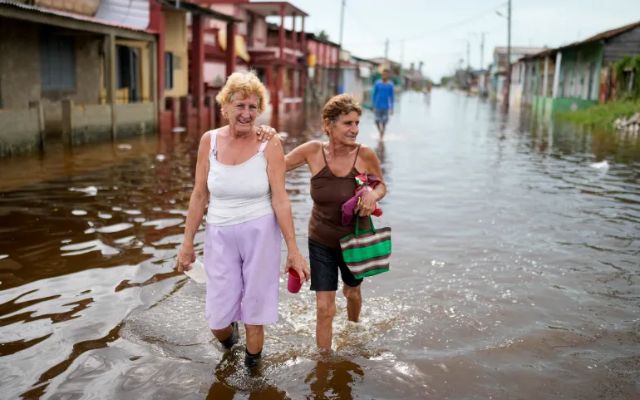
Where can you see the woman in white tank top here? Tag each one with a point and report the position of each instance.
(242, 181)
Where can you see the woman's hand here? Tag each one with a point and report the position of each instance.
(186, 257)
(367, 203)
(265, 133)
(297, 262)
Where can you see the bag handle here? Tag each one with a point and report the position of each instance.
(359, 232)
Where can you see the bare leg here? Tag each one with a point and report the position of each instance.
(255, 338)
(227, 336)
(325, 311)
(380, 128)
(354, 302)
(222, 334)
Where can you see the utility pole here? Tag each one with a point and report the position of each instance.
(468, 55)
(338, 70)
(482, 50)
(507, 81)
(386, 49)
(342, 21)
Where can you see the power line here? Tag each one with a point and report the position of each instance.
(437, 30)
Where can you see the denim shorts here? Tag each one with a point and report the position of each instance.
(381, 115)
(325, 263)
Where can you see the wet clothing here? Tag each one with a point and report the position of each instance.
(242, 249)
(324, 274)
(328, 193)
(242, 262)
(237, 193)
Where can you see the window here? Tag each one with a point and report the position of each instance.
(128, 71)
(169, 65)
(57, 63)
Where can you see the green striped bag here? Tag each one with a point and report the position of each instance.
(367, 252)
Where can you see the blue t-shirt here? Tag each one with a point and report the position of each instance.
(382, 96)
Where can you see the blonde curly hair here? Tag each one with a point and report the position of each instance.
(246, 84)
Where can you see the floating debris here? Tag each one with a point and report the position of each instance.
(631, 124)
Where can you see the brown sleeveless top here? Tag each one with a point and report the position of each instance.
(328, 193)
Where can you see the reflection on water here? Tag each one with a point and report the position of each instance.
(515, 270)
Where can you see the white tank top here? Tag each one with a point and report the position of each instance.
(237, 193)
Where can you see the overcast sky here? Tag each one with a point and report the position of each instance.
(436, 32)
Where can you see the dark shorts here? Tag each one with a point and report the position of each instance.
(325, 263)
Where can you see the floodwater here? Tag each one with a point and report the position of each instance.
(515, 272)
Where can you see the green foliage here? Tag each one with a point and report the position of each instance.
(603, 115)
(626, 69)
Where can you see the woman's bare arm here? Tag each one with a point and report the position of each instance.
(282, 207)
(300, 155)
(371, 166)
(197, 204)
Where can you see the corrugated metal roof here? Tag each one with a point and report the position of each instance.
(197, 9)
(65, 14)
(606, 35)
(270, 8)
(128, 12)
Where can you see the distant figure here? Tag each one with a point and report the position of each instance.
(382, 100)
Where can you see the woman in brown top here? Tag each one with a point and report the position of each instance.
(334, 165)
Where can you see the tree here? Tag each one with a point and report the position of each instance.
(323, 35)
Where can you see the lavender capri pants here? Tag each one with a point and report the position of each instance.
(242, 262)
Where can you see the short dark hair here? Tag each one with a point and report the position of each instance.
(341, 104)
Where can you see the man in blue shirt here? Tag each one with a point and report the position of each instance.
(382, 101)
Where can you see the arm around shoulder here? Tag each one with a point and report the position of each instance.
(300, 155)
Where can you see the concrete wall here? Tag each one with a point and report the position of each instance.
(352, 84)
(517, 84)
(87, 123)
(176, 43)
(135, 118)
(92, 123)
(19, 64)
(20, 74)
(88, 64)
(20, 131)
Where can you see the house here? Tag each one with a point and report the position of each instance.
(580, 74)
(498, 69)
(273, 52)
(362, 81)
(395, 71)
(183, 98)
(322, 62)
(413, 77)
(65, 73)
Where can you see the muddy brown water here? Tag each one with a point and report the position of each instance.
(515, 272)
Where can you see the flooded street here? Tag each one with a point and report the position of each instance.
(515, 272)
